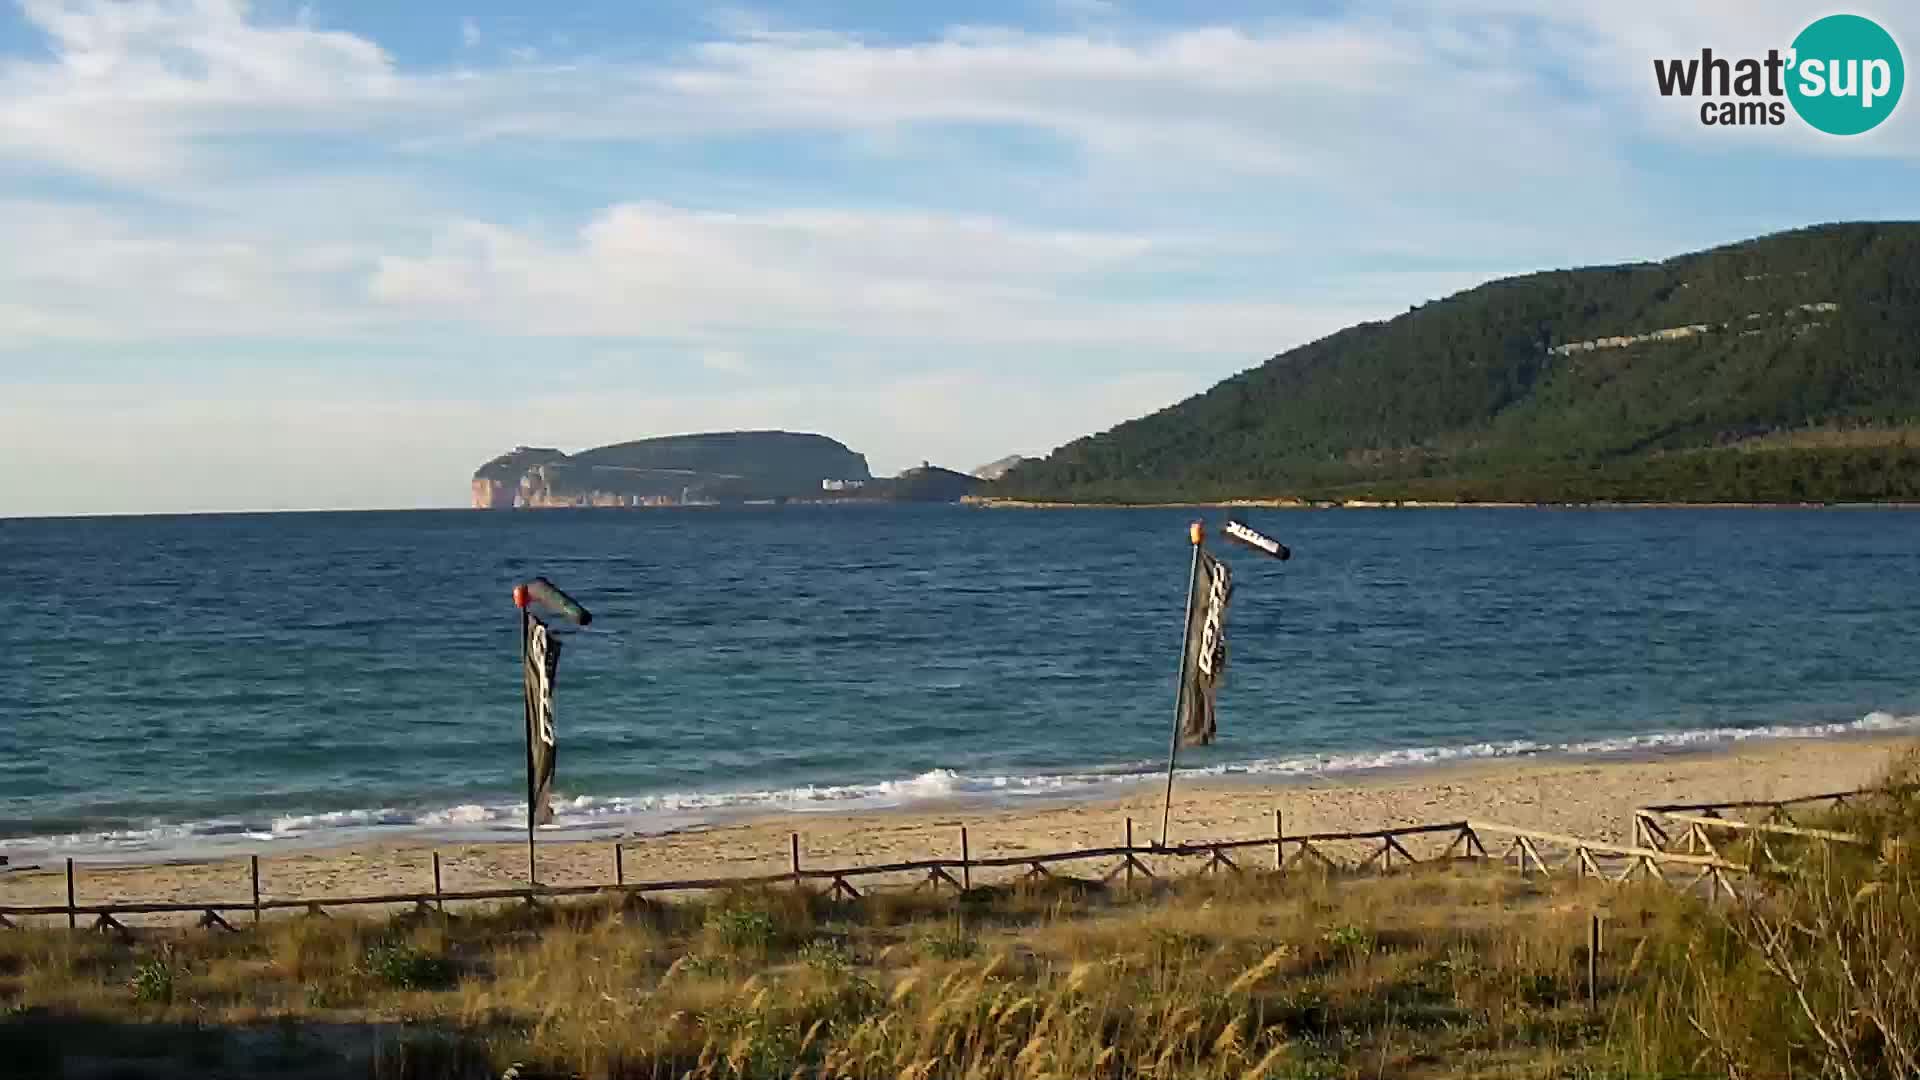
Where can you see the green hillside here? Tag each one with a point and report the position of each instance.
(1784, 368)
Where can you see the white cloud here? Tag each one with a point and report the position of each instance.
(656, 270)
(1231, 190)
(1389, 97)
(1309, 99)
(134, 89)
(81, 273)
(132, 84)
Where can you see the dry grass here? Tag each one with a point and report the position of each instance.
(1454, 970)
(1817, 975)
(1257, 976)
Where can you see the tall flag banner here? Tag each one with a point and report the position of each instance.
(542, 665)
(1206, 644)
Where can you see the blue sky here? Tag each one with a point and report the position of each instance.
(333, 254)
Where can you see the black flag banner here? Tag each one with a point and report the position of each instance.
(543, 663)
(1206, 660)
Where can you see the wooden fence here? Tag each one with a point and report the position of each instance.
(1617, 863)
(1692, 829)
(1379, 849)
(1778, 811)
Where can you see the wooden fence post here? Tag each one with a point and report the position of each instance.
(253, 866)
(439, 900)
(966, 863)
(1593, 962)
(1279, 844)
(619, 865)
(1129, 853)
(73, 918)
(794, 841)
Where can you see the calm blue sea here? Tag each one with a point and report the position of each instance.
(186, 682)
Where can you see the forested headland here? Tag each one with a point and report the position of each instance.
(1780, 369)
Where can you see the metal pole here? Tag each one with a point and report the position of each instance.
(793, 841)
(438, 900)
(1279, 844)
(1198, 537)
(526, 708)
(619, 865)
(73, 919)
(253, 862)
(1129, 853)
(966, 863)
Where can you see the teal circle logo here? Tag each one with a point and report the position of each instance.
(1846, 75)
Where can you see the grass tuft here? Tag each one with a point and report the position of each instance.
(403, 966)
(153, 980)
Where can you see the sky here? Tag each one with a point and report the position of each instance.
(265, 256)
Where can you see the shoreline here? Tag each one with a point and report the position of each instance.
(1588, 797)
(629, 817)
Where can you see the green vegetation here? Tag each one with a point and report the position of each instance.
(1788, 373)
(1435, 970)
(152, 981)
(401, 965)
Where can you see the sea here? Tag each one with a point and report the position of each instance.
(182, 686)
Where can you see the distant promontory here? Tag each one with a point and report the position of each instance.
(704, 469)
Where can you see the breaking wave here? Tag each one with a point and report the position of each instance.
(669, 811)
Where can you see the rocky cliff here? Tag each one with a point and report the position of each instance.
(733, 466)
(496, 484)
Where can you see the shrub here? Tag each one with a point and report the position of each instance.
(153, 980)
(405, 967)
(826, 956)
(1349, 940)
(752, 1042)
(741, 930)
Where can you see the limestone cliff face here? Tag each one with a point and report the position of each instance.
(497, 485)
(670, 471)
(489, 494)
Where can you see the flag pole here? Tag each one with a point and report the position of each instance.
(1196, 534)
(544, 592)
(526, 630)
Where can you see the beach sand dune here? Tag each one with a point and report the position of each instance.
(1592, 798)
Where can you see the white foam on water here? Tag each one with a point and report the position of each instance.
(668, 810)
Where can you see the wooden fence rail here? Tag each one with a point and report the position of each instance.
(1778, 808)
(1689, 827)
(1584, 858)
(1651, 830)
(1465, 842)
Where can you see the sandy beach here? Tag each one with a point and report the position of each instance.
(1586, 797)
